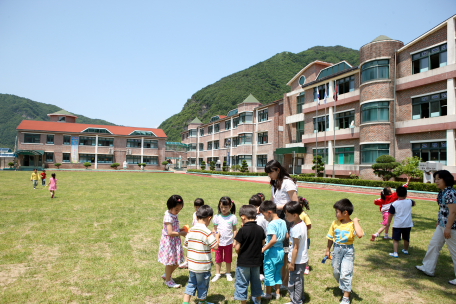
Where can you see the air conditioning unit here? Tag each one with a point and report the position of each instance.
(128, 151)
(111, 151)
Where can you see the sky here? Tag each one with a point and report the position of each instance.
(136, 62)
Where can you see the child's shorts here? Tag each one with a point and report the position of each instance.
(224, 254)
(385, 218)
(404, 231)
(198, 282)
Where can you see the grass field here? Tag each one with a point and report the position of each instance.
(97, 242)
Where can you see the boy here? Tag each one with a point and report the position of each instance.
(199, 242)
(256, 201)
(273, 251)
(342, 232)
(196, 204)
(297, 254)
(34, 178)
(402, 212)
(43, 178)
(249, 241)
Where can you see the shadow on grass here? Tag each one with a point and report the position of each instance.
(216, 298)
(337, 292)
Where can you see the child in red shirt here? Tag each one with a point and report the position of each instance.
(43, 178)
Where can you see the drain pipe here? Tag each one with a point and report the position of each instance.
(394, 101)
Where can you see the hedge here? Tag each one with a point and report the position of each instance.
(228, 173)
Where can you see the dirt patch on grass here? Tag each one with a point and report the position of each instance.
(78, 292)
(140, 243)
(44, 254)
(10, 273)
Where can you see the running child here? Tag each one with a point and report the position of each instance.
(225, 224)
(387, 197)
(255, 201)
(43, 178)
(199, 242)
(196, 204)
(342, 233)
(34, 178)
(170, 252)
(52, 185)
(305, 218)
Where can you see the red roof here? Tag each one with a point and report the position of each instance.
(54, 126)
(222, 116)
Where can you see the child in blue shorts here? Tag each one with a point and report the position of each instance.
(273, 250)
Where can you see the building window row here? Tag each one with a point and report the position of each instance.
(262, 160)
(433, 151)
(429, 106)
(344, 120)
(246, 117)
(429, 59)
(375, 111)
(299, 131)
(300, 102)
(321, 124)
(345, 156)
(263, 138)
(345, 85)
(50, 139)
(377, 69)
(263, 115)
(32, 138)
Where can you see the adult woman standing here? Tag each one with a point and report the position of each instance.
(445, 231)
(284, 190)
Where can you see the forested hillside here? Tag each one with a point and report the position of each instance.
(266, 81)
(14, 109)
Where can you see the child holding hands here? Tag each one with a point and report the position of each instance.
(342, 233)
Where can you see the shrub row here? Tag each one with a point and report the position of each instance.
(229, 173)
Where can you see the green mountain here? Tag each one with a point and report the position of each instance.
(266, 80)
(14, 109)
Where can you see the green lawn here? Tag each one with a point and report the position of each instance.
(97, 242)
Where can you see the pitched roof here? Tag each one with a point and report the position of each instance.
(381, 38)
(62, 112)
(195, 121)
(250, 99)
(306, 67)
(54, 126)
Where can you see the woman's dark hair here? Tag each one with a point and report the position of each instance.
(344, 205)
(293, 207)
(255, 200)
(268, 206)
(226, 201)
(53, 175)
(261, 195)
(304, 203)
(272, 166)
(204, 212)
(447, 177)
(249, 211)
(385, 192)
(198, 202)
(174, 200)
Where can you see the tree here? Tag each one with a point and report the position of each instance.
(203, 165)
(142, 164)
(165, 163)
(384, 167)
(409, 167)
(10, 164)
(115, 165)
(57, 165)
(225, 167)
(245, 167)
(212, 165)
(87, 165)
(318, 163)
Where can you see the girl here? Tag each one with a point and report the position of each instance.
(52, 185)
(305, 218)
(225, 224)
(387, 197)
(170, 251)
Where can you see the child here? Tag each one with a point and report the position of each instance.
(43, 178)
(170, 251)
(34, 178)
(52, 185)
(199, 242)
(273, 251)
(249, 241)
(261, 195)
(297, 255)
(402, 212)
(387, 198)
(196, 204)
(305, 218)
(255, 200)
(342, 232)
(225, 224)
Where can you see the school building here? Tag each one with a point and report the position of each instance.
(399, 100)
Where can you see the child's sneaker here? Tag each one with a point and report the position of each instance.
(215, 278)
(164, 278)
(386, 237)
(229, 278)
(404, 251)
(172, 284)
(307, 270)
(266, 296)
(345, 301)
(277, 295)
(452, 282)
(394, 255)
(255, 301)
(373, 237)
(184, 265)
(261, 277)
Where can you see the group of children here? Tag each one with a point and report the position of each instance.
(259, 244)
(52, 181)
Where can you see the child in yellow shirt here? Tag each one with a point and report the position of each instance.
(305, 218)
(34, 178)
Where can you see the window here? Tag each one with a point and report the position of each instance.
(65, 157)
(150, 160)
(209, 145)
(83, 158)
(246, 117)
(235, 122)
(262, 138)
(429, 106)
(262, 160)
(50, 139)
(62, 118)
(377, 69)
(300, 102)
(133, 143)
(86, 141)
(192, 133)
(151, 144)
(431, 151)
(433, 58)
(263, 115)
(321, 152)
(235, 141)
(201, 147)
(369, 153)
(320, 90)
(200, 161)
(192, 161)
(202, 132)
(375, 111)
(320, 122)
(133, 159)
(192, 147)
(232, 112)
(245, 139)
(209, 130)
(209, 159)
(227, 124)
(302, 80)
(49, 157)
(345, 156)
(227, 142)
(216, 144)
(299, 131)
(344, 120)
(104, 159)
(95, 130)
(247, 158)
(183, 137)
(345, 85)
(214, 118)
(216, 128)
(31, 138)
(143, 133)
(105, 142)
(66, 139)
